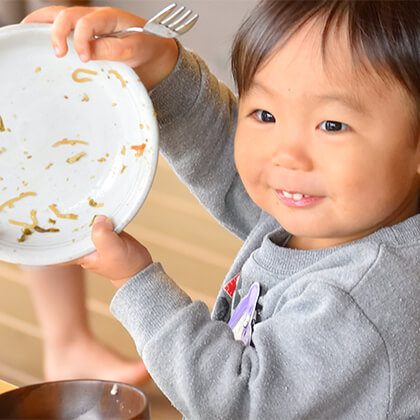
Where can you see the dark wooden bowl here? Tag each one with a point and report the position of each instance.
(75, 399)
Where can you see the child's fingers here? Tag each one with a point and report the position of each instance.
(100, 21)
(78, 261)
(65, 21)
(86, 22)
(115, 50)
(90, 261)
(106, 241)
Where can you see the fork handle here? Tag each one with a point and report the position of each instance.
(121, 34)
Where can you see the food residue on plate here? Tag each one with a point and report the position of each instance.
(27, 225)
(37, 69)
(9, 203)
(42, 230)
(25, 233)
(139, 149)
(49, 165)
(53, 207)
(2, 150)
(75, 158)
(2, 127)
(85, 97)
(78, 79)
(123, 169)
(93, 203)
(123, 150)
(119, 77)
(28, 229)
(67, 141)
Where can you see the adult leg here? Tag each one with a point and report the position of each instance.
(70, 349)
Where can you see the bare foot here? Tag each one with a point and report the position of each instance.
(86, 358)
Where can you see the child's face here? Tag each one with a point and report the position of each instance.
(327, 150)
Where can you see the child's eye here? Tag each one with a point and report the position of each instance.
(264, 116)
(333, 126)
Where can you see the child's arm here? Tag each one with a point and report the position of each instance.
(196, 113)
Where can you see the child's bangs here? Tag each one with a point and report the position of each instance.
(383, 37)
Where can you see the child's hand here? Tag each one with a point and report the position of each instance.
(117, 256)
(153, 58)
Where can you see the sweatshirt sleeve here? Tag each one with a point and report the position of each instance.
(197, 117)
(317, 357)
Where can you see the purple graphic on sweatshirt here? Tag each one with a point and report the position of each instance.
(242, 319)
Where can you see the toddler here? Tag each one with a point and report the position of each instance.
(316, 167)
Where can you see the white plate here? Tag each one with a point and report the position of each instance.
(41, 104)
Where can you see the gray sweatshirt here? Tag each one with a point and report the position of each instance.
(337, 331)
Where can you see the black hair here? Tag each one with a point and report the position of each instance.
(382, 33)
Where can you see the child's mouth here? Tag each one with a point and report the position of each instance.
(297, 199)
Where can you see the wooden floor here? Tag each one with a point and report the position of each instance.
(194, 249)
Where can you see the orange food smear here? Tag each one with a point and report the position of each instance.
(139, 149)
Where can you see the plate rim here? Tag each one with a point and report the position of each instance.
(27, 257)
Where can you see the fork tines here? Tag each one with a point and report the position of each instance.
(173, 19)
(185, 26)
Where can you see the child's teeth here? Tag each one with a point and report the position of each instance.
(295, 196)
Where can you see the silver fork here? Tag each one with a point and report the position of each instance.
(168, 23)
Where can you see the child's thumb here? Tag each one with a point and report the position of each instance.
(103, 235)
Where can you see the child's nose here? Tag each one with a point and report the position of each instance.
(291, 153)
